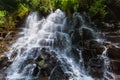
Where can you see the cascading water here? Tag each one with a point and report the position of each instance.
(107, 74)
(38, 34)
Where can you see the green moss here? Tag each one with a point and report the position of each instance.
(42, 64)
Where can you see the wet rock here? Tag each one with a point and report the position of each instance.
(97, 47)
(36, 71)
(77, 20)
(42, 55)
(115, 66)
(95, 68)
(46, 62)
(2, 75)
(45, 71)
(76, 53)
(87, 54)
(90, 58)
(113, 39)
(113, 52)
(92, 49)
(86, 33)
(109, 76)
(68, 75)
(3, 61)
(75, 36)
(2, 57)
(58, 74)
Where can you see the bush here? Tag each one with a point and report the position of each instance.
(2, 17)
(98, 7)
(22, 10)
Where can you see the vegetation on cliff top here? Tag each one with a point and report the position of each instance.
(14, 11)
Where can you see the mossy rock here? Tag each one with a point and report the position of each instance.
(42, 64)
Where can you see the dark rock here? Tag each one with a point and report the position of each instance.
(87, 55)
(2, 75)
(36, 71)
(86, 33)
(76, 53)
(46, 61)
(109, 76)
(45, 71)
(3, 61)
(97, 47)
(95, 68)
(115, 66)
(75, 36)
(113, 39)
(113, 52)
(77, 20)
(58, 74)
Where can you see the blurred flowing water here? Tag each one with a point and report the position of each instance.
(44, 33)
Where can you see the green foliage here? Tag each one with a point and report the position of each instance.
(22, 10)
(33, 4)
(39, 5)
(2, 22)
(2, 17)
(10, 23)
(9, 5)
(44, 6)
(114, 2)
(2, 13)
(66, 4)
(118, 3)
(98, 7)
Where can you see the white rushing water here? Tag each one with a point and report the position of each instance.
(39, 34)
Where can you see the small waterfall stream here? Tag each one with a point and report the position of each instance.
(45, 33)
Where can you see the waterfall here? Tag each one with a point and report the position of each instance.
(38, 34)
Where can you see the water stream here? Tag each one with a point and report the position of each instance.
(44, 33)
